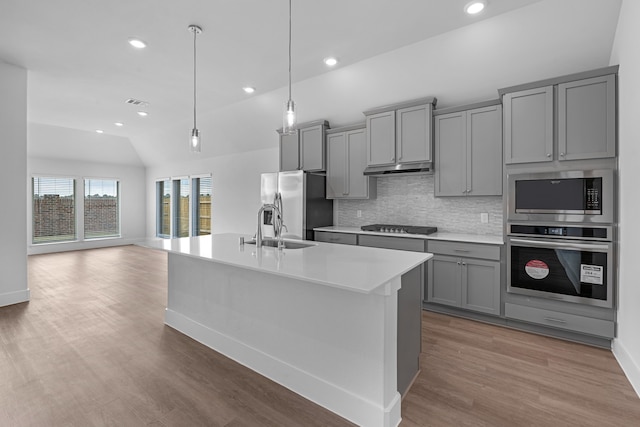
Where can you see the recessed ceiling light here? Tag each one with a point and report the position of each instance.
(99, 131)
(249, 89)
(137, 43)
(143, 113)
(119, 124)
(330, 62)
(475, 7)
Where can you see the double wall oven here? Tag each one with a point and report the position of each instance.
(560, 236)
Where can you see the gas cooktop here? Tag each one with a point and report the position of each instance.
(399, 229)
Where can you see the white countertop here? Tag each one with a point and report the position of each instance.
(454, 237)
(354, 268)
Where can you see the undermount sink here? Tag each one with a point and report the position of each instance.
(288, 244)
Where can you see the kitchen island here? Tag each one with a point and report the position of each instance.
(320, 320)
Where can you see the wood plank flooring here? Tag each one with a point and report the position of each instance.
(91, 349)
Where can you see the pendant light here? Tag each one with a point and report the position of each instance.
(289, 118)
(194, 141)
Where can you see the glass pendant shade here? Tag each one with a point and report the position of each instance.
(289, 118)
(194, 141)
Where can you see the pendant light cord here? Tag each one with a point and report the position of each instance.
(289, 50)
(195, 33)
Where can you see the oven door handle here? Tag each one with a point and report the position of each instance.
(565, 245)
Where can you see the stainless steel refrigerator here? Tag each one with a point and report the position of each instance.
(304, 203)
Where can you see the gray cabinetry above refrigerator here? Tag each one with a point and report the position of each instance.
(304, 150)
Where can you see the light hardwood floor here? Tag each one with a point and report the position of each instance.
(91, 349)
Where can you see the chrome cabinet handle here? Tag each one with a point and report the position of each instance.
(548, 155)
(551, 319)
(458, 262)
(461, 250)
(562, 154)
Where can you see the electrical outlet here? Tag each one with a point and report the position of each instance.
(359, 213)
(484, 218)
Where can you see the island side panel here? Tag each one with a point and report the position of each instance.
(332, 346)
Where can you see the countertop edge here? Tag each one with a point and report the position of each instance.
(489, 239)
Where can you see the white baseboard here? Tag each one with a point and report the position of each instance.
(336, 399)
(627, 363)
(47, 248)
(17, 297)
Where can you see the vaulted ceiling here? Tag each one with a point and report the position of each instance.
(81, 68)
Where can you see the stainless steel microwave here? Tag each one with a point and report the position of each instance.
(585, 196)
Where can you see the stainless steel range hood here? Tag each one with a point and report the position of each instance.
(421, 168)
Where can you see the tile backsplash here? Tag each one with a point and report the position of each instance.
(409, 200)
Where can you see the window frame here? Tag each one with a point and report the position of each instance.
(119, 210)
(76, 224)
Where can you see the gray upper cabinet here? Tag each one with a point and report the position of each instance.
(381, 138)
(468, 151)
(289, 152)
(346, 160)
(567, 118)
(400, 133)
(304, 150)
(528, 126)
(413, 134)
(586, 119)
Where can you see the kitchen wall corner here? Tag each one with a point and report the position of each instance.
(409, 200)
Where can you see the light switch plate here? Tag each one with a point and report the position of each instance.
(484, 218)
(359, 213)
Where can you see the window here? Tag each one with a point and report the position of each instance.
(163, 208)
(101, 208)
(181, 207)
(54, 211)
(202, 206)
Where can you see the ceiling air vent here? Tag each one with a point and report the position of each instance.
(136, 102)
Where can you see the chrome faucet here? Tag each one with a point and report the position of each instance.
(277, 221)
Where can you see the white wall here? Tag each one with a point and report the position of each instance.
(13, 162)
(132, 199)
(235, 182)
(625, 52)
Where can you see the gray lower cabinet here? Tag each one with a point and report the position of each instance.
(341, 238)
(304, 150)
(468, 150)
(346, 160)
(560, 320)
(581, 109)
(465, 275)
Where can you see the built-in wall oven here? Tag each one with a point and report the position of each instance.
(560, 241)
(573, 263)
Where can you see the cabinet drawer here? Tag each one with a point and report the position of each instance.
(555, 319)
(400, 243)
(462, 249)
(342, 238)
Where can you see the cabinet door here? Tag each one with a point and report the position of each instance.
(450, 141)
(444, 280)
(358, 184)
(336, 166)
(586, 119)
(481, 285)
(381, 136)
(312, 149)
(289, 153)
(413, 134)
(484, 151)
(528, 126)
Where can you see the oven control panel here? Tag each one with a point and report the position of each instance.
(569, 232)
